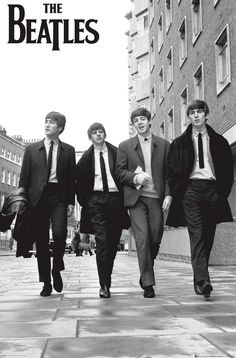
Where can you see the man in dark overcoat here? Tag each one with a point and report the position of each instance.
(100, 195)
(48, 176)
(200, 177)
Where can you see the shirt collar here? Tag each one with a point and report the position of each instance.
(195, 133)
(144, 139)
(48, 141)
(98, 150)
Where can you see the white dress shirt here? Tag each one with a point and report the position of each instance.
(208, 171)
(47, 144)
(98, 185)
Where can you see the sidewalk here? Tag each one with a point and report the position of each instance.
(77, 323)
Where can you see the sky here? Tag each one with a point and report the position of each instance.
(86, 82)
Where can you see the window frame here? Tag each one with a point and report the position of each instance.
(195, 85)
(198, 16)
(161, 87)
(222, 83)
(183, 47)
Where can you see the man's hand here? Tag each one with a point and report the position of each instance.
(166, 203)
(70, 209)
(142, 178)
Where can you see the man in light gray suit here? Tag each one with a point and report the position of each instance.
(141, 163)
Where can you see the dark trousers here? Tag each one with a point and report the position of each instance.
(105, 212)
(147, 225)
(50, 209)
(200, 204)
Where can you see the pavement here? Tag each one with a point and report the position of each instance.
(77, 323)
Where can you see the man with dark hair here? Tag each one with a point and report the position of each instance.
(141, 163)
(200, 176)
(99, 194)
(48, 176)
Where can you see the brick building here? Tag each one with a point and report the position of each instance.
(192, 54)
(11, 155)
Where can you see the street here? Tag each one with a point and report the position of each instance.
(77, 323)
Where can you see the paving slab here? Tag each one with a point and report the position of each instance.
(174, 346)
(24, 348)
(146, 326)
(226, 342)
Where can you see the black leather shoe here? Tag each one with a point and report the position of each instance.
(149, 292)
(47, 290)
(205, 288)
(104, 292)
(57, 280)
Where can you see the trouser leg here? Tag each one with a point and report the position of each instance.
(200, 203)
(147, 225)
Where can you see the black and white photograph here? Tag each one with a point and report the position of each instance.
(118, 179)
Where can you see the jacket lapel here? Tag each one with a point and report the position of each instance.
(138, 149)
(42, 155)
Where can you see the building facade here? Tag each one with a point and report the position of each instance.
(11, 155)
(138, 56)
(192, 48)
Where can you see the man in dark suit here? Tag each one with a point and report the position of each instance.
(200, 176)
(48, 176)
(99, 194)
(141, 163)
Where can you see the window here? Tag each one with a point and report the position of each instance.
(19, 159)
(3, 178)
(2, 200)
(14, 179)
(170, 68)
(8, 177)
(182, 43)
(13, 156)
(168, 14)
(161, 85)
(18, 179)
(153, 101)
(222, 51)
(162, 129)
(199, 83)
(151, 11)
(152, 54)
(160, 33)
(143, 67)
(142, 24)
(8, 155)
(183, 108)
(215, 2)
(196, 19)
(3, 151)
(145, 22)
(170, 125)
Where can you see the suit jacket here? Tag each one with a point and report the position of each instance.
(129, 156)
(180, 164)
(85, 172)
(33, 177)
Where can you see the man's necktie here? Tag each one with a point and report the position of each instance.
(104, 174)
(50, 160)
(200, 151)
